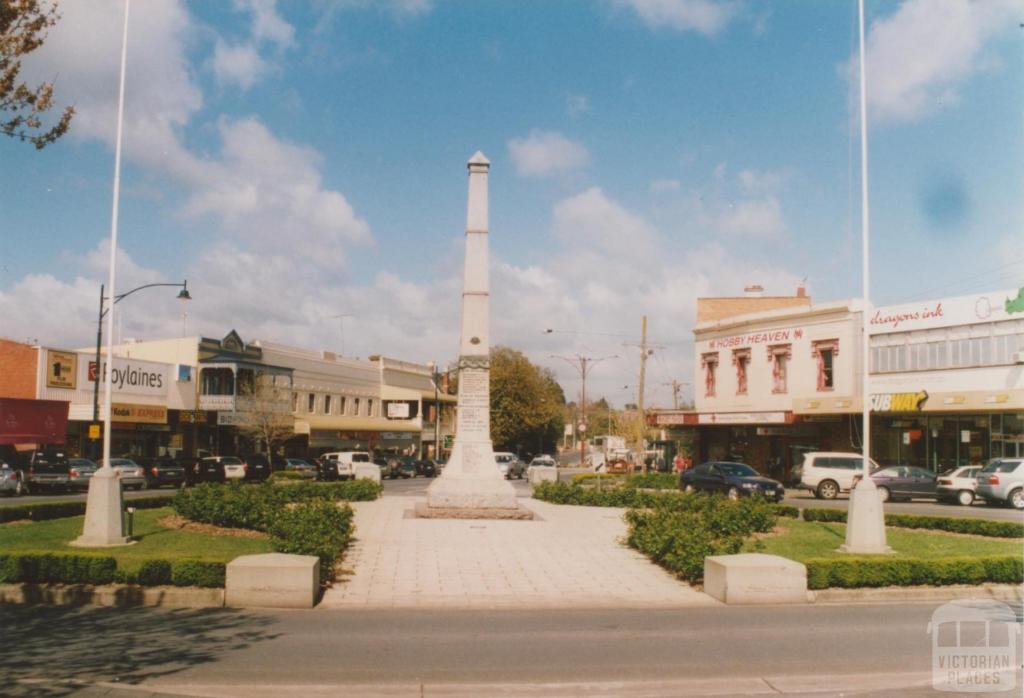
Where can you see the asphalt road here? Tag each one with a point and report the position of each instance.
(817, 650)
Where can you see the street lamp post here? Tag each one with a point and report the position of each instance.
(580, 363)
(435, 376)
(183, 295)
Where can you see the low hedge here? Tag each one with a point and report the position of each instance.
(977, 527)
(302, 518)
(44, 511)
(653, 481)
(101, 569)
(288, 475)
(854, 572)
(679, 532)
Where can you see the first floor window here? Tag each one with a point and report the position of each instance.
(710, 363)
(741, 360)
(327, 404)
(779, 356)
(312, 403)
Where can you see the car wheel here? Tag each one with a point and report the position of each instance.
(20, 488)
(965, 497)
(1017, 498)
(733, 493)
(827, 489)
(884, 494)
(144, 485)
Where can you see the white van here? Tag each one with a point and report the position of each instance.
(827, 473)
(345, 461)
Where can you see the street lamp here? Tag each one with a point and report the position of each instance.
(580, 363)
(435, 376)
(183, 295)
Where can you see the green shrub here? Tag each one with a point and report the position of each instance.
(316, 528)
(287, 475)
(45, 511)
(198, 573)
(153, 573)
(977, 527)
(51, 568)
(787, 511)
(855, 572)
(653, 481)
(604, 478)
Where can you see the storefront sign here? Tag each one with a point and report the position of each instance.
(130, 376)
(945, 312)
(61, 369)
(898, 402)
(746, 340)
(744, 418)
(145, 414)
(395, 436)
(669, 419)
(190, 417)
(228, 419)
(398, 410)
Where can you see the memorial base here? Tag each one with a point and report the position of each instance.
(104, 527)
(471, 482)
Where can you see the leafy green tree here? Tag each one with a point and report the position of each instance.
(527, 404)
(23, 25)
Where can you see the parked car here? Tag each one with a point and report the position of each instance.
(131, 473)
(509, 465)
(406, 466)
(904, 482)
(161, 471)
(958, 485)
(1002, 481)
(426, 468)
(386, 465)
(734, 480)
(43, 469)
(260, 461)
(10, 480)
(827, 473)
(345, 462)
(543, 461)
(80, 472)
(234, 468)
(208, 469)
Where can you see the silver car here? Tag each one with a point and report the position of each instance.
(131, 473)
(80, 472)
(10, 481)
(1002, 480)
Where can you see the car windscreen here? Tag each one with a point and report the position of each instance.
(737, 469)
(231, 461)
(360, 458)
(1001, 466)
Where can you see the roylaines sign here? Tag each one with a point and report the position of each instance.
(130, 376)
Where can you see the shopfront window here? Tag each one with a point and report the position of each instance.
(1008, 435)
(825, 352)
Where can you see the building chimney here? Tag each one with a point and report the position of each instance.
(801, 291)
(754, 291)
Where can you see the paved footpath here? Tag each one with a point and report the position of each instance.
(569, 557)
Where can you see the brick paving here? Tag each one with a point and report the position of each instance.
(570, 557)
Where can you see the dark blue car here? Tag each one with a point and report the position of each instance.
(734, 480)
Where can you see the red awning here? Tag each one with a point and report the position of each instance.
(33, 421)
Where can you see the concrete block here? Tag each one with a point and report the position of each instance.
(542, 474)
(755, 578)
(273, 580)
(367, 471)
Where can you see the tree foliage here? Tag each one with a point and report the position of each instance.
(527, 404)
(264, 412)
(23, 26)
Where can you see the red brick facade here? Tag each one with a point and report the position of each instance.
(17, 369)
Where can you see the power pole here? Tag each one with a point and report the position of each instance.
(676, 387)
(580, 363)
(640, 397)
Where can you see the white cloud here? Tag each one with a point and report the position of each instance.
(919, 57)
(755, 218)
(704, 16)
(659, 186)
(577, 105)
(546, 153)
(267, 24)
(755, 181)
(240, 64)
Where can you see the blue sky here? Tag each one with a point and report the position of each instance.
(298, 161)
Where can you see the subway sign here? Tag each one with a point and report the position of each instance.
(899, 402)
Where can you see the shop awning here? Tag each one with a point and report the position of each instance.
(33, 421)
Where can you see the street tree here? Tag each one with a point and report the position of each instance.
(23, 27)
(527, 404)
(263, 413)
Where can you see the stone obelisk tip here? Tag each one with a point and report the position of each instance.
(479, 159)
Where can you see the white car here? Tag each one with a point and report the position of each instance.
(827, 473)
(131, 473)
(958, 485)
(509, 465)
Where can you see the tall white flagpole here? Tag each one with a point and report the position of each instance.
(113, 246)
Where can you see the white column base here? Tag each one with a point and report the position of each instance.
(471, 480)
(104, 525)
(865, 522)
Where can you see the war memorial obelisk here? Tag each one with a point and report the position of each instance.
(470, 486)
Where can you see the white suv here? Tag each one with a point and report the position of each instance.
(346, 460)
(827, 473)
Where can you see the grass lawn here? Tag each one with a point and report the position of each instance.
(154, 541)
(805, 540)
